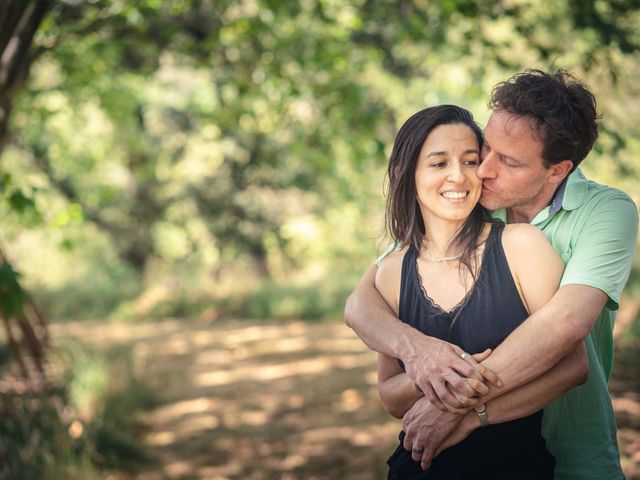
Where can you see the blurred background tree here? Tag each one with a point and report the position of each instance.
(174, 151)
(199, 142)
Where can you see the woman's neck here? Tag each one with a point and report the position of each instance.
(439, 234)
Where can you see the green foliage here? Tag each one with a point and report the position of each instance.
(12, 296)
(321, 299)
(107, 393)
(96, 295)
(220, 133)
(103, 396)
(35, 443)
(20, 204)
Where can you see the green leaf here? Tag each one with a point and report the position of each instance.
(12, 296)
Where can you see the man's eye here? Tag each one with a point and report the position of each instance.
(508, 161)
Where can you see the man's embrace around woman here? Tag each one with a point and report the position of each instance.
(452, 282)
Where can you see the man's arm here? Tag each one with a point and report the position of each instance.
(594, 276)
(398, 392)
(430, 363)
(425, 427)
(373, 320)
(558, 329)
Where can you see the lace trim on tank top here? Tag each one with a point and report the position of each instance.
(473, 288)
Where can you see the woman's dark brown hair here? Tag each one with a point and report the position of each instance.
(403, 217)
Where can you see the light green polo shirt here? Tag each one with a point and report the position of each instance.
(594, 229)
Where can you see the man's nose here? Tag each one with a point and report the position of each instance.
(487, 168)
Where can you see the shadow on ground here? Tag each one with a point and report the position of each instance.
(245, 400)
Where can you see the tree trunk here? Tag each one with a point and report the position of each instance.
(19, 21)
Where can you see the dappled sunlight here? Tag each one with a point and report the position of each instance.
(264, 332)
(280, 400)
(350, 400)
(178, 409)
(114, 333)
(272, 372)
(361, 436)
(161, 438)
(243, 401)
(627, 407)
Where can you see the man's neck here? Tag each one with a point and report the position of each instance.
(517, 215)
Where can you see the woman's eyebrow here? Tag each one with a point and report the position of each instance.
(439, 154)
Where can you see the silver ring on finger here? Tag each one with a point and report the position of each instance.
(463, 355)
(418, 451)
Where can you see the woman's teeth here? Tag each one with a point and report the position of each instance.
(454, 195)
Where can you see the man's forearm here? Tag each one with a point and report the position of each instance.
(547, 336)
(435, 365)
(571, 371)
(374, 322)
(529, 398)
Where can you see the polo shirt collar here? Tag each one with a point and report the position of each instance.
(575, 191)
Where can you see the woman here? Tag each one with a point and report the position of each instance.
(460, 277)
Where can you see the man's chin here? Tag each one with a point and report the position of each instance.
(488, 204)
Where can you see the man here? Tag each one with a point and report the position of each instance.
(542, 126)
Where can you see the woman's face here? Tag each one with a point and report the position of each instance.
(446, 180)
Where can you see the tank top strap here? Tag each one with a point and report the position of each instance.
(407, 281)
(494, 240)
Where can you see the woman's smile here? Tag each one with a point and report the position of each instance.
(455, 195)
(447, 186)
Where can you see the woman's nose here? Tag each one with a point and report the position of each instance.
(456, 173)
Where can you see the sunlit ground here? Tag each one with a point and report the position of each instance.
(241, 400)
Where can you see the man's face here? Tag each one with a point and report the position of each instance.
(512, 168)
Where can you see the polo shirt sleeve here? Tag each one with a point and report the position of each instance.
(603, 252)
(387, 251)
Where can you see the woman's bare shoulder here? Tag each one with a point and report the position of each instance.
(393, 259)
(390, 268)
(388, 277)
(523, 235)
(525, 244)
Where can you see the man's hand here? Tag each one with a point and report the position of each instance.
(426, 428)
(446, 374)
(450, 378)
(469, 423)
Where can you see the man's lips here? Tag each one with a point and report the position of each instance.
(486, 190)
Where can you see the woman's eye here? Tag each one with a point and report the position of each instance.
(472, 162)
(439, 164)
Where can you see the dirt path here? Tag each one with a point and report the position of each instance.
(241, 400)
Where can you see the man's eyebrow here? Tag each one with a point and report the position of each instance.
(517, 160)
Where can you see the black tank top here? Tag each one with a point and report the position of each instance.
(489, 313)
